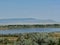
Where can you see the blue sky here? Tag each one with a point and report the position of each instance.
(40, 9)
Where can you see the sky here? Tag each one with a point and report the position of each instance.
(40, 9)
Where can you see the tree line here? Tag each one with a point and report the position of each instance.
(29, 26)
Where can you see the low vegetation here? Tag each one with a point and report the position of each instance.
(35, 38)
(3, 27)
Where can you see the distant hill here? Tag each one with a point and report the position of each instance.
(24, 20)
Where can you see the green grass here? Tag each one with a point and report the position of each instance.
(7, 44)
(37, 38)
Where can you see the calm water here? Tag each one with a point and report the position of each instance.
(29, 30)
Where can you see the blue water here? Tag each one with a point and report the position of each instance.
(29, 30)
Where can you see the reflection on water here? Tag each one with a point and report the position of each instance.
(29, 30)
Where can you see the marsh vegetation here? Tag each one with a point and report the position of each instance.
(3, 27)
(35, 38)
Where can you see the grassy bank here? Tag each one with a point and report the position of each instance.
(35, 38)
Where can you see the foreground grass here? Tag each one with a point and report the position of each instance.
(35, 38)
(6, 44)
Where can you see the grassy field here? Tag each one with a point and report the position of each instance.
(7, 44)
(27, 38)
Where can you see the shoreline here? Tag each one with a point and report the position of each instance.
(6, 27)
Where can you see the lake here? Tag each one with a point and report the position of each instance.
(12, 31)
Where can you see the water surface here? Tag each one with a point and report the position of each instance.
(29, 30)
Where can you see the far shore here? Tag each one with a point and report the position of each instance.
(6, 27)
(29, 23)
